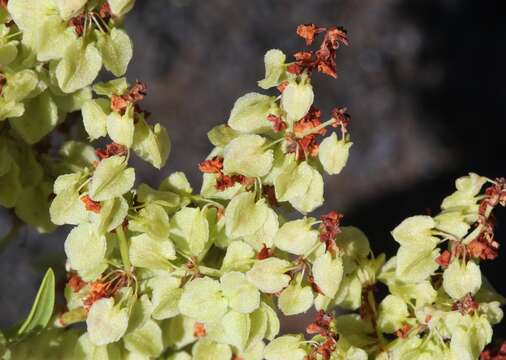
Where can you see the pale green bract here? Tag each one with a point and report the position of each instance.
(246, 155)
(296, 99)
(460, 279)
(250, 112)
(111, 178)
(274, 68)
(334, 153)
(106, 322)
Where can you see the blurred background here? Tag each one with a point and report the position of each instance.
(424, 81)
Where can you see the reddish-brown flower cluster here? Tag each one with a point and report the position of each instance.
(223, 182)
(302, 145)
(75, 282)
(105, 288)
(495, 352)
(341, 118)
(278, 124)
(330, 228)
(3, 3)
(90, 205)
(322, 327)
(444, 259)
(466, 305)
(314, 285)
(111, 149)
(132, 96)
(78, 23)
(105, 12)
(324, 59)
(199, 330)
(264, 253)
(403, 331)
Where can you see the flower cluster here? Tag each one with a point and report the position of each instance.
(173, 273)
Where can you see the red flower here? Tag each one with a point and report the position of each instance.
(212, 166)
(111, 149)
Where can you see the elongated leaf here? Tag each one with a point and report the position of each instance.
(42, 308)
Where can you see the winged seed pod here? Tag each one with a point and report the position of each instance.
(165, 272)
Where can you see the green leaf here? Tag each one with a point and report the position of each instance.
(293, 181)
(393, 312)
(328, 273)
(249, 114)
(121, 128)
(460, 279)
(221, 135)
(203, 300)
(236, 223)
(268, 275)
(8, 52)
(264, 235)
(151, 253)
(295, 299)
(296, 237)
(38, 120)
(190, 231)
(112, 87)
(165, 296)
(313, 197)
(333, 154)
(95, 113)
(116, 50)
(152, 220)
(151, 144)
(42, 308)
(70, 8)
(145, 341)
(416, 231)
(236, 328)
(111, 215)
(121, 7)
(242, 296)
(415, 264)
(205, 349)
(246, 155)
(111, 178)
(79, 67)
(85, 250)
(106, 322)
(274, 69)
(20, 85)
(296, 99)
(67, 208)
(285, 347)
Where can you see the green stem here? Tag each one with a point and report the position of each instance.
(123, 248)
(315, 129)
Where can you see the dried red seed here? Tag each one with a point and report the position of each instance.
(277, 123)
(444, 259)
(212, 166)
(199, 330)
(76, 283)
(91, 205)
(403, 331)
(264, 253)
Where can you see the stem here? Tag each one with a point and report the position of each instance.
(123, 248)
(315, 129)
(372, 304)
